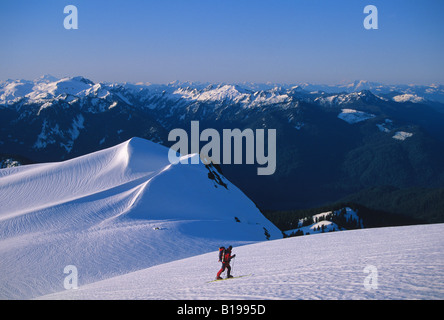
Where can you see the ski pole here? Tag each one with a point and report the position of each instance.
(232, 267)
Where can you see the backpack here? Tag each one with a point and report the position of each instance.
(221, 254)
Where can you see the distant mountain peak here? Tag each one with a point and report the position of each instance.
(48, 78)
(81, 79)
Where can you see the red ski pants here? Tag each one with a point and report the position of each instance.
(224, 266)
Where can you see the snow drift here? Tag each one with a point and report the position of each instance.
(112, 212)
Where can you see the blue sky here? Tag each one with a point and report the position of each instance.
(291, 41)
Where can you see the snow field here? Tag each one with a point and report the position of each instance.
(409, 262)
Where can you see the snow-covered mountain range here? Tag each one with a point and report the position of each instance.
(112, 212)
(168, 106)
(48, 87)
(370, 133)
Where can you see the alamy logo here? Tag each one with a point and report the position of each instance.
(371, 21)
(371, 281)
(71, 280)
(71, 20)
(232, 140)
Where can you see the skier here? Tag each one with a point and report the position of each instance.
(225, 258)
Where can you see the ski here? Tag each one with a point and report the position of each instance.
(245, 275)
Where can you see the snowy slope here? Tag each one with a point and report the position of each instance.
(353, 116)
(322, 222)
(406, 263)
(408, 98)
(112, 212)
(402, 135)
